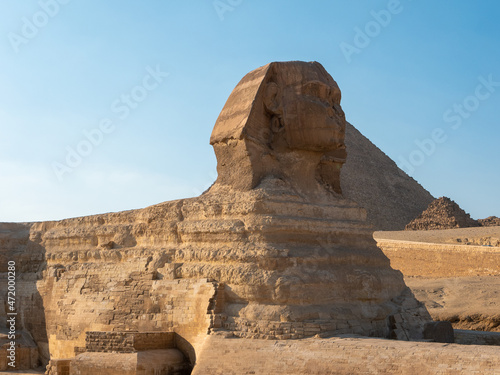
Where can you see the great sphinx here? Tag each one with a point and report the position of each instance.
(271, 250)
(279, 142)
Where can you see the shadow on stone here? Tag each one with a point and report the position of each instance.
(439, 332)
(19, 246)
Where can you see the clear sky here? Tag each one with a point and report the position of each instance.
(109, 105)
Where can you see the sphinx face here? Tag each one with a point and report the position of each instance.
(279, 116)
(312, 116)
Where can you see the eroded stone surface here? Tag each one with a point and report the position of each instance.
(345, 356)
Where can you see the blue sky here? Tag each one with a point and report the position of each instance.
(134, 89)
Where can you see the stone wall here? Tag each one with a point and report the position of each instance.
(108, 342)
(108, 297)
(441, 260)
(128, 342)
(387, 327)
(61, 293)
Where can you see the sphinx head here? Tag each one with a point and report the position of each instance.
(282, 120)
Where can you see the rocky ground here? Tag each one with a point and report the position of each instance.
(467, 302)
(471, 303)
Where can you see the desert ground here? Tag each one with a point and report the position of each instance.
(470, 301)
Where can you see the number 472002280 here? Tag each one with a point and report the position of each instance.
(11, 277)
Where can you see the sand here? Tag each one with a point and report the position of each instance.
(468, 302)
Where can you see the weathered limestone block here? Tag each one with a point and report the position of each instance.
(161, 361)
(439, 332)
(344, 356)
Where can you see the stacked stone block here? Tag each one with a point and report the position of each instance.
(128, 342)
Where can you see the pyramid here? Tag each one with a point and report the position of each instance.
(370, 178)
(490, 221)
(442, 213)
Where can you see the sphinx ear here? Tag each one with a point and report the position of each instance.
(276, 124)
(272, 98)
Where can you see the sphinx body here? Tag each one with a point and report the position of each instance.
(271, 250)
